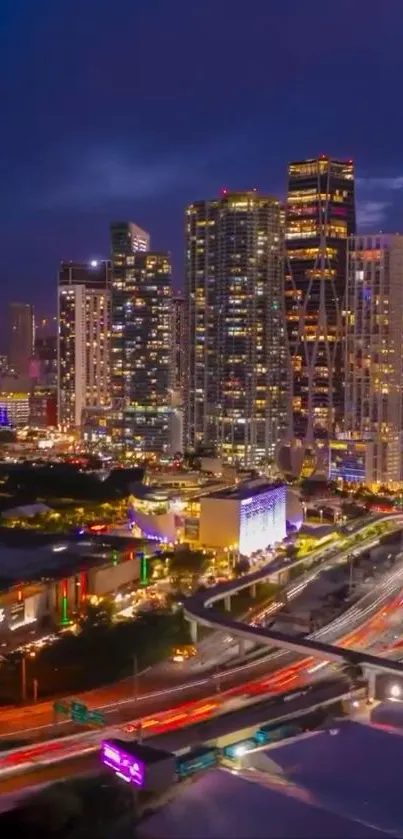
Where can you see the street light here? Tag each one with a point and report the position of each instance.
(31, 654)
(395, 692)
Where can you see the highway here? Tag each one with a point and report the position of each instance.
(163, 685)
(198, 609)
(358, 627)
(332, 554)
(290, 675)
(289, 704)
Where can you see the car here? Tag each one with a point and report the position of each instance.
(182, 654)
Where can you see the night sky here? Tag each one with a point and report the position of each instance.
(129, 109)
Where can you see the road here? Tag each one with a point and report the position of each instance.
(170, 683)
(292, 674)
(212, 647)
(231, 722)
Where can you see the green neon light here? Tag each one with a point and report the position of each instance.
(65, 616)
(143, 570)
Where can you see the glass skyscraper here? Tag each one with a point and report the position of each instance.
(320, 216)
(141, 342)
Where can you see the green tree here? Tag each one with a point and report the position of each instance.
(97, 614)
(186, 566)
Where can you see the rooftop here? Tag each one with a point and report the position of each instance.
(342, 783)
(60, 557)
(246, 490)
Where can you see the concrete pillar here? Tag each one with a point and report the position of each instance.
(370, 675)
(227, 603)
(253, 590)
(193, 631)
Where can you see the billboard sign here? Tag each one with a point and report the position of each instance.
(126, 766)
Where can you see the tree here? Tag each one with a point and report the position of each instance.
(187, 566)
(96, 614)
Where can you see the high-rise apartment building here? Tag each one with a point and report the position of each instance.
(141, 342)
(236, 365)
(179, 337)
(374, 352)
(320, 215)
(22, 336)
(83, 344)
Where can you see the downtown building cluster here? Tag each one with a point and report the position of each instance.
(284, 345)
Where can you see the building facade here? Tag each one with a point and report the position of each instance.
(235, 369)
(46, 355)
(374, 352)
(21, 340)
(248, 518)
(83, 351)
(320, 215)
(178, 327)
(141, 343)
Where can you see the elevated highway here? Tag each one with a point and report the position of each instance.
(199, 609)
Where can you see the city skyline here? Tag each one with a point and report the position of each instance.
(70, 171)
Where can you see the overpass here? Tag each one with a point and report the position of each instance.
(198, 610)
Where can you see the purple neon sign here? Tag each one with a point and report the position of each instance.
(127, 767)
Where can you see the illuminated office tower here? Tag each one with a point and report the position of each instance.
(21, 338)
(83, 343)
(374, 352)
(141, 343)
(320, 215)
(235, 371)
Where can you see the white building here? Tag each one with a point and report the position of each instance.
(374, 352)
(83, 339)
(248, 518)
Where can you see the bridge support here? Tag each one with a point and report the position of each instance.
(241, 647)
(253, 590)
(370, 676)
(193, 632)
(227, 603)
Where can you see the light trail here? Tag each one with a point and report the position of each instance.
(188, 713)
(58, 750)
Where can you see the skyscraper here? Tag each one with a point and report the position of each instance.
(320, 215)
(141, 342)
(22, 336)
(235, 377)
(374, 352)
(178, 327)
(83, 339)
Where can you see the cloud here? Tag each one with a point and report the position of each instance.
(394, 183)
(375, 198)
(108, 176)
(371, 213)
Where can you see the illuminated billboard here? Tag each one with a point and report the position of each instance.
(262, 520)
(126, 766)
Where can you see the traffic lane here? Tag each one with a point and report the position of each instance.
(141, 707)
(25, 719)
(193, 733)
(31, 716)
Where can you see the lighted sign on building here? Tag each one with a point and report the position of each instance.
(125, 766)
(262, 520)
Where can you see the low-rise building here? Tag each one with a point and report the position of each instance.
(248, 518)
